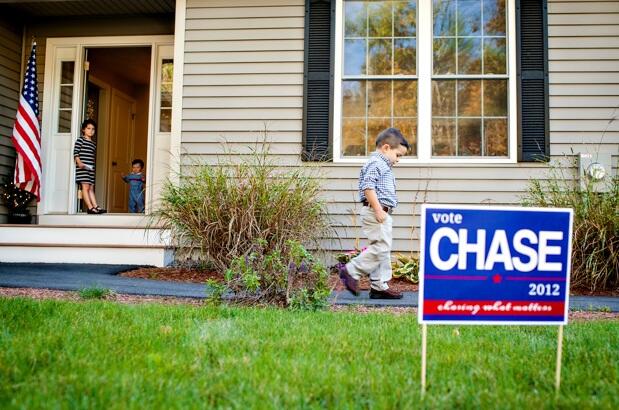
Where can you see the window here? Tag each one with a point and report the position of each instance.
(438, 70)
(65, 106)
(379, 82)
(165, 109)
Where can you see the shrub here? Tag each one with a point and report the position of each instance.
(219, 213)
(344, 257)
(595, 241)
(288, 277)
(95, 292)
(406, 267)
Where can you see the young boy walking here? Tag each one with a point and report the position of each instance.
(377, 194)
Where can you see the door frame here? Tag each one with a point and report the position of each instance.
(78, 45)
(105, 97)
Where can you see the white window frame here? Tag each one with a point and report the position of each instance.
(424, 91)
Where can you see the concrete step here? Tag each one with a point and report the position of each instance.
(85, 244)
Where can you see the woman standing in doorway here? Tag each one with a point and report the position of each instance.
(84, 154)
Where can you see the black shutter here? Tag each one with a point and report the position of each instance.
(532, 35)
(318, 80)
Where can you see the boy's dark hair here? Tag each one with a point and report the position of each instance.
(139, 162)
(393, 137)
(87, 123)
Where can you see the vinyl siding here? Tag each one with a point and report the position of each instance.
(244, 72)
(10, 67)
(584, 76)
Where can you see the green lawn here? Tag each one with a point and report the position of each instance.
(58, 354)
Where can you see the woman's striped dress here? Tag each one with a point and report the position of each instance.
(87, 151)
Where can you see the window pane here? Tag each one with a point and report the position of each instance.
(64, 121)
(444, 55)
(167, 70)
(375, 126)
(355, 19)
(353, 137)
(469, 56)
(405, 19)
(469, 136)
(495, 136)
(469, 98)
(405, 56)
(444, 12)
(469, 17)
(379, 99)
(379, 56)
(353, 98)
(66, 96)
(443, 137)
(384, 99)
(166, 99)
(405, 98)
(408, 127)
(379, 19)
(494, 56)
(354, 57)
(443, 98)
(495, 98)
(165, 120)
(494, 17)
(166, 95)
(66, 72)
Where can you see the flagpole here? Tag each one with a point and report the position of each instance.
(22, 66)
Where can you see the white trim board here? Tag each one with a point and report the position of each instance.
(177, 91)
(74, 47)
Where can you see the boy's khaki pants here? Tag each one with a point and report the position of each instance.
(375, 261)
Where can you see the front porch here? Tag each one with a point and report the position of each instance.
(65, 32)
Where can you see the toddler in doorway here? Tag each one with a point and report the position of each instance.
(136, 181)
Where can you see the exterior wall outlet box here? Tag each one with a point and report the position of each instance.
(595, 169)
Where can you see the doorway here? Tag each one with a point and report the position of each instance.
(117, 97)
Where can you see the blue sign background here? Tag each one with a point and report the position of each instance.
(497, 283)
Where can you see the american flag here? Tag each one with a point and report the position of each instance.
(27, 133)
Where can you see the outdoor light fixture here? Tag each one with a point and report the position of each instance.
(594, 170)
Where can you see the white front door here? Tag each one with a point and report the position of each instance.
(121, 142)
(62, 116)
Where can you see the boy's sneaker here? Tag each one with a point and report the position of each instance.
(351, 283)
(385, 294)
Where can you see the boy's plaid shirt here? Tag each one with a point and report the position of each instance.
(377, 174)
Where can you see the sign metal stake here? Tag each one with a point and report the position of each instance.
(559, 353)
(424, 336)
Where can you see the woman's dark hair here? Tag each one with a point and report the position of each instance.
(88, 122)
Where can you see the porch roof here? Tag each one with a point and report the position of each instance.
(51, 8)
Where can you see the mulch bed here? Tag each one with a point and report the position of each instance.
(41, 294)
(173, 274)
(177, 274)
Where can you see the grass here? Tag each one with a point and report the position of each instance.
(96, 354)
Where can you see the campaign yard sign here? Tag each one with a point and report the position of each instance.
(494, 265)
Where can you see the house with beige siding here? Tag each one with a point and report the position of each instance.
(488, 92)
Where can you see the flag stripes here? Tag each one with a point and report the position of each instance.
(27, 132)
